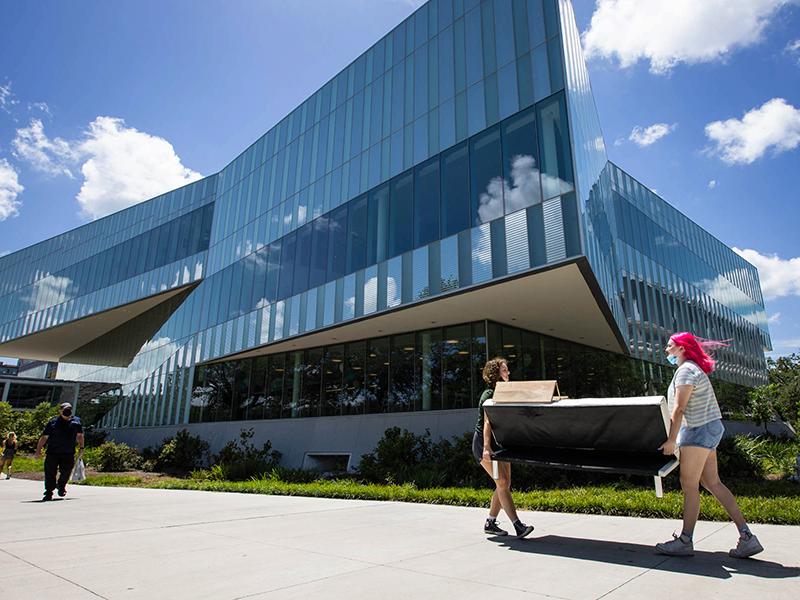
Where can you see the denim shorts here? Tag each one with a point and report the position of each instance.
(704, 436)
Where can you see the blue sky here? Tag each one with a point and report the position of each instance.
(699, 101)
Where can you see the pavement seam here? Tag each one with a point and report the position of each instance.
(655, 566)
(293, 585)
(35, 566)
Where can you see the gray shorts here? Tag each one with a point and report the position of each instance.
(707, 435)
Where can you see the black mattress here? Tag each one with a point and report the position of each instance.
(613, 435)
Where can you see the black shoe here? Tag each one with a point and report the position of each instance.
(62, 492)
(522, 529)
(492, 528)
(47, 496)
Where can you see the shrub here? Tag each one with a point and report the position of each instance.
(737, 458)
(184, 452)
(110, 456)
(399, 457)
(241, 459)
(215, 473)
(293, 475)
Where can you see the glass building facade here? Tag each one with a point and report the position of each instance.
(461, 151)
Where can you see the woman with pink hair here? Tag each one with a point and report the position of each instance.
(696, 428)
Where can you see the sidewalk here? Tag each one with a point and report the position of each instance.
(136, 543)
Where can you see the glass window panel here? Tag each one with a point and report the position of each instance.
(357, 234)
(474, 62)
(426, 203)
(337, 243)
(241, 390)
(288, 255)
(403, 395)
(456, 367)
(459, 54)
(349, 297)
(292, 385)
(420, 139)
(486, 176)
(319, 252)
(447, 124)
(353, 396)
(377, 376)
(394, 281)
(332, 374)
(508, 92)
(378, 224)
(455, 190)
(370, 290)
(541, 72)
(520, 161)
(476, 108)
(481, 253)
(401, 214)
(273, 271)
(492, 101)
(309, 398)
(556, 64)
(536, 27)
(554, 148)
(302, 259)
(449, 264)
(488, 41)
(429, 369)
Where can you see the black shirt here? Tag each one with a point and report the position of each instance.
(62, 434)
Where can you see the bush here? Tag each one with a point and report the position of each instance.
(183, 453)
(241, 459)
(737, 458)
(215, 473)
(113, 457)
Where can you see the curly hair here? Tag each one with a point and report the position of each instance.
(491, 370)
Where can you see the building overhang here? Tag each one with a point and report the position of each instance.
(562, 301)
(75, 339)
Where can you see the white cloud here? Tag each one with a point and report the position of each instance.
(121, 165)
(7, 98)
(41, 107)
(793, 48)
(32, 145)
(774, 319)
(712, 184)
(10, 188)
(644, 136)
(126, 166)
(779, 277)
(681, 31)
(775, 124)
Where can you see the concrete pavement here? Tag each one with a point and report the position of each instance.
(136, 543)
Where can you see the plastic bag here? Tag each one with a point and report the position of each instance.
(79, 472)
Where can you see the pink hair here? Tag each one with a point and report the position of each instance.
(696, 349)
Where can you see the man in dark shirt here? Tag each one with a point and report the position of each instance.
(60, 434)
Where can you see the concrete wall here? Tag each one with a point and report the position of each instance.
(294, 438)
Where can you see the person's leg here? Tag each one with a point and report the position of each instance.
(2, 464)
(693, 460)
(50, 468)
(65, 464)
(502, 486)
(8, 464)
(711, 481)
(494, 505)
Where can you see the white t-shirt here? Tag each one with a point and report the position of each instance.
(702, 407)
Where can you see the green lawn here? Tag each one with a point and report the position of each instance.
(768, 502)
(23, 463)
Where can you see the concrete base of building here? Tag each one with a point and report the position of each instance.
(312, 442)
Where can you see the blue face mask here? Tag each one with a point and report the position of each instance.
(672, 359)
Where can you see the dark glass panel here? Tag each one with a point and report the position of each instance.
(258, 388)
(377, 375)
(241, 389)
(378, 225)
(309, 401)
(332, 369)
(426, 203)
(479, 357)
(337, 243)
(456, 366)
(455, 190)
(403, 395)
(520, 161)
(287, 265)
(302, 259)
(319, 252)
(273, 271)
(357, 234)
(486, 174)
(275, 373)
(219, 381)
(554, 148)
(401, 214)
(353, 393)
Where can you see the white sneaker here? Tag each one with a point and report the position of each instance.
(676, 547)
(747, 547)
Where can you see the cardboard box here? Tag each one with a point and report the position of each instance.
(536, 392)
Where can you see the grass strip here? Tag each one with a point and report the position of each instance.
(596, 500)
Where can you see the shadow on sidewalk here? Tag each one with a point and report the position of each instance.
(705, 564)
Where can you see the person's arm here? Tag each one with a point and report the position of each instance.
(40, 445)
(487, 437)
(81, 444)
(682, 395)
